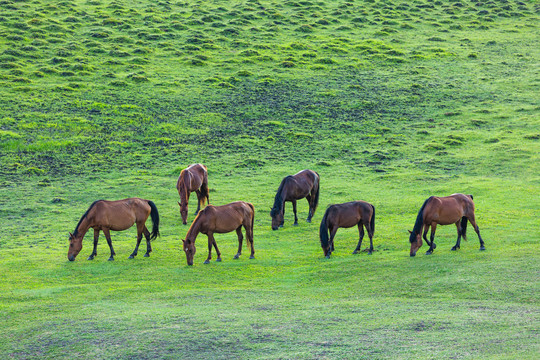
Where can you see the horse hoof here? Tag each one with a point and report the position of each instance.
(434, 246)
(308, 220)
(328, 256)
(90, 258)
(206, 262)
(146, 255)
(252, 257)
(454, 248)
(295, 224)
(236, 256)
(429, 252)
(131, 257)
(370, 252)
(355, 252)
(482, 248)
(218, 260)
(111, 259)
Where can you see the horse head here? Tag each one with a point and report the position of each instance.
(277, 218)
(75, 246)
(183, 212)
(189, 249)
(416, 242)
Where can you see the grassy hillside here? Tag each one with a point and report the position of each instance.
(389, 101)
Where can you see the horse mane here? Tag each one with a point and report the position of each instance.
(419, 221)
(75, 233)
(181, 184)
(278, 200)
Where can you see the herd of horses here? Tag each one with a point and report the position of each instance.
(120, 215)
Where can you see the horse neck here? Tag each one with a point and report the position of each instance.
(195, 228)
(279, 200)
(184, 187)
(82, 228)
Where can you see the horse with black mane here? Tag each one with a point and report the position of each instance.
(221, 219)
(346, 215)
(117, 216)
(453, 209)
(193, 178)
(304, 184)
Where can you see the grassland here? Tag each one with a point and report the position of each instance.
(389, 101)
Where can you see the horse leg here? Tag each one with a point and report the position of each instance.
(432, 239)
(240, 239)
(310, 213)
(294, 210)
(249, 236)
(140, 228)
(210, 243)
(459, 232)
(94, 252)
(148, 245)
(370, 234)
(333, 230)
(361, 237)
(477, 230)
(426, 229)
(199, 196)
(217, 250)
(109, 241)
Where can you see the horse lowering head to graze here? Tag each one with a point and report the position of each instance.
(454, 209)
(193, 178)
(220, 219)
(117, 216)
(346, 215)
(304, 184)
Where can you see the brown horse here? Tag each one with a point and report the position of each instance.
(221, 219)
(453, 209)
(117, 216)
(304, 184)
(359, 213)
(193, 178)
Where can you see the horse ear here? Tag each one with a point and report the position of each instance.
(184, 241)
(179, 203)
(410, 232)
(70, 235)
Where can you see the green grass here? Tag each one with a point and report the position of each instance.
(389, 101)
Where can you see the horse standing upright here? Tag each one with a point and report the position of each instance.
(193, 178)
(304, 184)
(347, 215)
(453, 209)
(117, 216)
(221, 219)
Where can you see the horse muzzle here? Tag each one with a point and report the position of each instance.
(71, 257)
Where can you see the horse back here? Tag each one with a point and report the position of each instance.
(302, 184)
(448, 209)
(119, 214)
(349, 214)
(225, 218)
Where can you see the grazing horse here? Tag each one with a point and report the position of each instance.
(359, 213)
(304, 184)
(453, 209)
(193, 178)
(221, 219)
(117, 216)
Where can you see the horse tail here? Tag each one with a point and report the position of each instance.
(372, 222)
(323, 230)
(155, 220)
(469, 195)
(205, 192)
(419, 221)
(316, 199)
(252, 224)
(464, 227)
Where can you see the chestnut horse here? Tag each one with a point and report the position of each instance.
(193, 178)
(304, 184)
(221, 219)
(359, 213)
(117, 216)
(453, 209)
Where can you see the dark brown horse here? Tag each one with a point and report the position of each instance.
(453, 209)
(193, 178)
(304, 184)
(221, 219)
(117, 216)
(359, 213)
